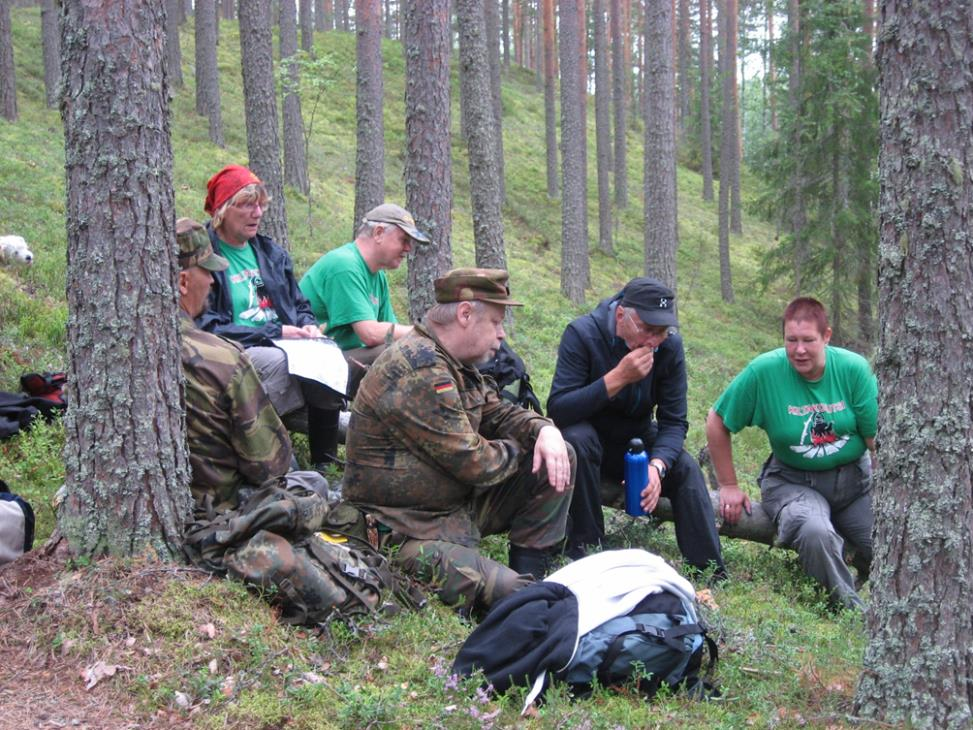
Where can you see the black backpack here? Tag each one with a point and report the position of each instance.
(511, 379)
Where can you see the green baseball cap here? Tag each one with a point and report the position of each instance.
(195, 248)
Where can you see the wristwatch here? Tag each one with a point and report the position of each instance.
(660, 467)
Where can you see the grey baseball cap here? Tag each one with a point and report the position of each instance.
(396, 215)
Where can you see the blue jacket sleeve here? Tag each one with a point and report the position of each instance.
(573, 398)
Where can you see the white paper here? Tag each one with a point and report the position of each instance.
(318, 359)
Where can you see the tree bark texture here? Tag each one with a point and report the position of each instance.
(492, 18)
(428, 178)
(295, 153)
(342, 21)
(550, 89)
(207, 72)
(705, 85)
(574, 234)
(505, 31)
(798, 214)
(260, 108)
(307, 26)
(661, 230)
(8, 81)
(771, 66)
(619, 37)
(127, 468)
(481, 132)
(603, 150)
(733, 126)
(51, 47)
(227, 7)
(319, 16)
(727, 76)
(370, 153)
(917, 663)
(173, 50)
(685, 82)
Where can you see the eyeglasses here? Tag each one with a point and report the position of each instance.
(250, 206)
(644, 329)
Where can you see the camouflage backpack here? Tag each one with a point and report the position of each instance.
(315, 558)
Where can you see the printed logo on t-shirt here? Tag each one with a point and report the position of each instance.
(260, 309)
(373, 299)
(818, 437)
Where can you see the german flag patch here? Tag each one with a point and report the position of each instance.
(445, 387)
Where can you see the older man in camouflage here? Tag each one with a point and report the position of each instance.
(440, 460)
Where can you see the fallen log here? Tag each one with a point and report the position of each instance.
(756, 526)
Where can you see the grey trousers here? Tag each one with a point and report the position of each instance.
(815, 512)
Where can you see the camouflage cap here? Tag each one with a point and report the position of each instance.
(396, 215)
(195, 248)
(466, 285)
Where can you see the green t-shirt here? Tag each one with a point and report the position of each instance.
(810, 425)
(243, 279)
(342, 290)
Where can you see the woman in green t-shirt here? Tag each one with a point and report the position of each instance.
(818, 405)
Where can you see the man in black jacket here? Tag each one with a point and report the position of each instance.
(621, 375)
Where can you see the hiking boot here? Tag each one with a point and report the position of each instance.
(529, 561)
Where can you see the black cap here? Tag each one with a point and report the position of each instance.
(654, 302)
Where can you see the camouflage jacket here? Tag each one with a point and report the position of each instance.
(426, 435)
(235, 436)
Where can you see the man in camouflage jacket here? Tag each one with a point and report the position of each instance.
(235, 436)
(440, 460)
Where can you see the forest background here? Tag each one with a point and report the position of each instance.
(787, 660)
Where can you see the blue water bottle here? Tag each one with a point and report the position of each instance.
(636, 477)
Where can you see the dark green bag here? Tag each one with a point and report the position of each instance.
(315, 558)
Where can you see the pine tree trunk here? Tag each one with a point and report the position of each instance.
(228, 9)
(619, 101)
(173, 50)
(8, 82)
(727, 68)
(583, 85)
(865, 278)
(319, 16)
(295, 156)
(771, 66)
(574, 234)
(187, 9)
(369, 98)
(839, 203)
(492, 18)
(51, 46)
(659, 178)
(705, 86)
(126, 465)
(917, 663)
(260, 106)
(603, 130)
(428, 182)
(207, 72)
(505, 32)
(307, 26)
(732, 31)
(798, 215)
(343, 21)
(481, 129)
(685, 82)
(550, 89)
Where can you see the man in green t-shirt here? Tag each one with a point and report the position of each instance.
(349, 291)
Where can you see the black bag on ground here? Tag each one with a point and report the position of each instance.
(287, 539)
(16, 525)
(510, 376)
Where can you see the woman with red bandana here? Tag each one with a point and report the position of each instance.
(257, 300)
(818, 405)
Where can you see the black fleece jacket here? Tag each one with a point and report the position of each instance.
(654, 405)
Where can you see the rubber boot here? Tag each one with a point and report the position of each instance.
(322, 436)
(528, 561)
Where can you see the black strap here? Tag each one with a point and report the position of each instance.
(670, 637)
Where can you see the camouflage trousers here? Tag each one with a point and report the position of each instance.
(525, 506)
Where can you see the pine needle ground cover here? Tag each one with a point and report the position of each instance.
(137, 644)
